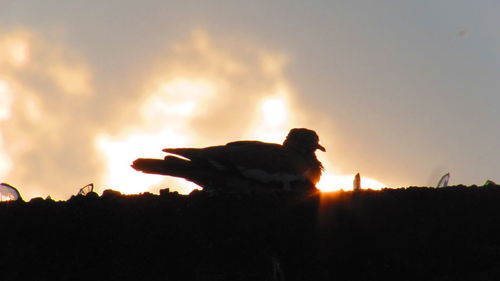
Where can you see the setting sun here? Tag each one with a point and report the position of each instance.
(274, 111)
(330, 182)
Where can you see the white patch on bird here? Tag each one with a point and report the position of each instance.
(217, 165)
(309, 173)
(266, 177)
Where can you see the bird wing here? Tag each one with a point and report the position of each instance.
(251, 143)
(275, 162)
(220, 151)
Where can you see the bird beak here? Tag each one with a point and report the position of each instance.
(320, 147)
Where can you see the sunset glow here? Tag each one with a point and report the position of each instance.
(74, 80)
(178, 98)
(330, 183)
(6, 163)
(6, 98)
(273, 120)
(182, 96)
(206, 95)
(120, 176)
(274, 110)
(166, 113)
(18, 51)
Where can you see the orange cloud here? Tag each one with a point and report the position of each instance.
(42, 83)
(206, 92)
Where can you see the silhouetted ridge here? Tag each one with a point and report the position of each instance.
(405, 234)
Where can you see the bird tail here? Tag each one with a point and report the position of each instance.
(175, 167)
(170, 166)
(188, 153)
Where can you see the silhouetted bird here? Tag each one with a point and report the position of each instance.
(244, 164)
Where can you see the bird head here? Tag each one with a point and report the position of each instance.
(303, 140)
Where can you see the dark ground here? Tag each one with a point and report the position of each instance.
(402, 234)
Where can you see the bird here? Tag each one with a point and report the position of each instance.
(244, 165)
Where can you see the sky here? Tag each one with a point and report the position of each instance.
(399, 91)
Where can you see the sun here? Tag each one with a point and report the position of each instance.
(274, 111)
(331, 182)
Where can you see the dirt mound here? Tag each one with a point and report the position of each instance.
(406, 234)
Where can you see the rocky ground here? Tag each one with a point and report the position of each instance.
(400, 234)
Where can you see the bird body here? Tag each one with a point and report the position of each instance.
(247, 164)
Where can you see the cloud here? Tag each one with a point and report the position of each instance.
(46, 145)
(14, 49)
(61, 129)
(206, 91)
